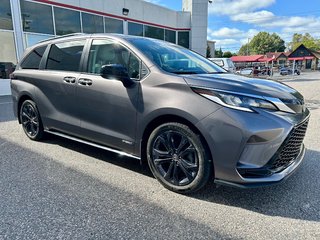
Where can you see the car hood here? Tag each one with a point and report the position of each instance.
(246, 85)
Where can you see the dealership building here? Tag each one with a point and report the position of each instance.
(26, 22)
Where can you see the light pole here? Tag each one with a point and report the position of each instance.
(248, 47)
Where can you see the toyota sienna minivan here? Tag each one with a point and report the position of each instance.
(191, 120)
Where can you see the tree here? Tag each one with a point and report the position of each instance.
(208, 52)
(244, 50)
(262, 43)
(227, 54)
(218, 53)
(307, 40)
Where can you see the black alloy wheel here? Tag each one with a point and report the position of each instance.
(177, 158)
(30, 120)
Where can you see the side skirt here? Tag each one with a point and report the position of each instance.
(92, 144)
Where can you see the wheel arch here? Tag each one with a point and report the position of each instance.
(22, 98)
(165, 119)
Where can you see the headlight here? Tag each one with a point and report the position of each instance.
(234, 100)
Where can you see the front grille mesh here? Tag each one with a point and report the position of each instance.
(290, 148)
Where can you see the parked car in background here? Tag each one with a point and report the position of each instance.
(190, 119)
(245, 71)
(288, 71)
(226, 63)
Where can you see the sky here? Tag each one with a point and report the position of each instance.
(232, 23)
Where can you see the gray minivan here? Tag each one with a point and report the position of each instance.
(152, 100)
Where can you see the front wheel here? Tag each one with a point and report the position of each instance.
(178, 158)
(30, 120)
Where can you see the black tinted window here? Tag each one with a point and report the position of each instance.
(135, 29)
(113, 25)
(36, 17)
(154, 32)
(32, 61)
(92, 23)
(170, 36)
(65, 56)
(67, 21)
(5, 15)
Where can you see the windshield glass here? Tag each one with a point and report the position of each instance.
(175, 59)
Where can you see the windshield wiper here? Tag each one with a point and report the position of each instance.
(216, 72)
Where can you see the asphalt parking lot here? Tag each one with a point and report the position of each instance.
(59, 189)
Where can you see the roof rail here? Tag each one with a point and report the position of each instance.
(66, 35)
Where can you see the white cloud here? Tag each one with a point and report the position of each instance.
(232, 7)
(260, 17)
(153, 1)
(226, 32)
(233, 33)
(291, 22)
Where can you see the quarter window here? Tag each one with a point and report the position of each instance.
(65, 56)
(104, 52)
(32, 61)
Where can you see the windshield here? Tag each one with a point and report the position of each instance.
(175, 59)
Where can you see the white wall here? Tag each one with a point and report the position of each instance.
(199, 24)
(138, 10)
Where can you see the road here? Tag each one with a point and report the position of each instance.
(59, 189)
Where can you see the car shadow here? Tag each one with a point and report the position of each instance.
(299, 80)
(298, 197)
(104, 155)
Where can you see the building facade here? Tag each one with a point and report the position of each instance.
(25, 22)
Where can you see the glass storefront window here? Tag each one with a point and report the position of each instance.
(154, 32)
(36, 17)
(92, 23)
(183, 39)
(5, 15)
(170, 36)
(67, 21)
(31, 39)
(135, 29)
(113, 25)
(7, 54)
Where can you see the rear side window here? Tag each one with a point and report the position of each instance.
(65, 56)
(32, 61)
(219, 62)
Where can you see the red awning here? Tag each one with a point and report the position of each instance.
(300, 58)
(266, 59)
(254, 58)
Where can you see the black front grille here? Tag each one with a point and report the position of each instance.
(290, 149)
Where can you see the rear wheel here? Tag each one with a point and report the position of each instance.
(177, 158)
(30, 120)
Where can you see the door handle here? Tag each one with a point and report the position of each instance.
(85, 81)
(69, 79)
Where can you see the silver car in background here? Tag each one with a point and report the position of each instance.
(191, 120)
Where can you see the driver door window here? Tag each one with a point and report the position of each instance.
(104, 52)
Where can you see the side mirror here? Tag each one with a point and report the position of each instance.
(116, 71)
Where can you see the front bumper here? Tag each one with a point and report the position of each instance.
(245, 147)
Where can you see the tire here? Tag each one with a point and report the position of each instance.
(31, 121)
(178, 158)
